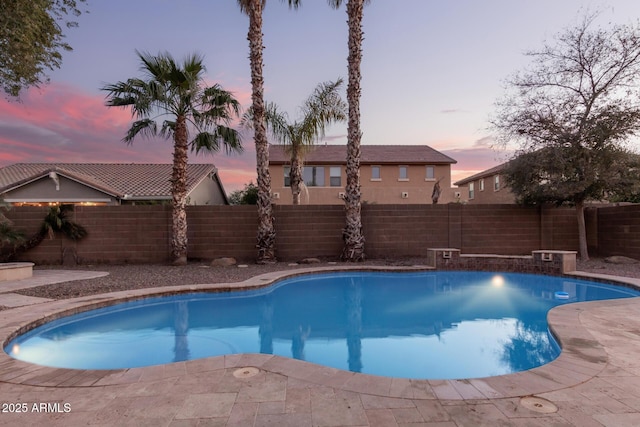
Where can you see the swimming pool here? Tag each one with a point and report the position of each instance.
(435, 325)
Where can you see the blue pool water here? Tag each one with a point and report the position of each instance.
(435, 325)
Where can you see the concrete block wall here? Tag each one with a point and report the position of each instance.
(137, 234)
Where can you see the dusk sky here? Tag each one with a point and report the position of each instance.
(431, 72)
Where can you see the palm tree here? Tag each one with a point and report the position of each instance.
(179, 93)
(352, 233)
(323, 107)
(56, 221)
(266, 243)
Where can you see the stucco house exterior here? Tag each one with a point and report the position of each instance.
(393, 174)
(485, 187)
(105, 184)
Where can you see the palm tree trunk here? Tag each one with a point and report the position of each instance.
(266, 240)
(582, 232)
(179, 193)
(295, 176)
(352, 233)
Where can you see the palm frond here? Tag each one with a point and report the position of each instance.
(223, 137)
(145, 127)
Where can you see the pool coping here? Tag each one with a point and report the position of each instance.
(581, 359)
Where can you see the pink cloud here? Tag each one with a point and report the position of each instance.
(61, 123)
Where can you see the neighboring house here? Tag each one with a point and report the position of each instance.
(105, 184)
(486, 187)
(388, 174)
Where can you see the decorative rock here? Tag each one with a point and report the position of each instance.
(242, 266)
(223, 262)
(309, 261)
(617, 259)
(292, 264)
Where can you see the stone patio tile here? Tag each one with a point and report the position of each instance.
(155, 407)
(207, 406)
(114, 410)
(407, 415)
(444, 389)
(380, 418)
(484, 415)
(484, 388)
(204, 365)
(401, 387)
(176, 369)
(254, 359)
(432, 411)
(269, 390)
(343, 409)
(467, 390)
(628, 384)
(549, 421)
(368, 384)
(271, 408)
(243, 413)
(298, 400)
(598, 387)
(285, 420)
(422, 390)
(128, 376)
(153, 388)
(619, 420)
(381, 402)
(576, 417)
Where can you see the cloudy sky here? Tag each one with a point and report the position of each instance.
(432, 70)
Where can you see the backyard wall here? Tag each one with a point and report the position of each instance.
(137, 234)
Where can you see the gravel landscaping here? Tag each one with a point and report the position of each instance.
(124, 277)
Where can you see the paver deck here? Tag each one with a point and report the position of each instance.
(595, 382)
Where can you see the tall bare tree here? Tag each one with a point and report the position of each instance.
(352, 233)
(32, 40)
(571, 113)
(178, 93)
(266, 239)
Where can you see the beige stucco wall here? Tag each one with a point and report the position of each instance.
(489, 195)
(206, 193)
(388, 189)
(44, 190)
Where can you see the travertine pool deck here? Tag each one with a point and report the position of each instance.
(594, 382)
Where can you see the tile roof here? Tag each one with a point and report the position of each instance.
(117, 179)
(484, 174)
(369, 154)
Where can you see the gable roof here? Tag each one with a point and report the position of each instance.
(484, 174)
(369, 154)
(121, 180)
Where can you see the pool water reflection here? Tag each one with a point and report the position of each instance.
(435, 325)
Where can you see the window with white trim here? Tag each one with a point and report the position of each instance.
(496, 183)
(335, 176)
(430, 173)
(471, 190)
(375, 173)
(403, 174)
(313, 176)
(481, 186)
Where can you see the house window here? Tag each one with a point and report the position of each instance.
(471, 190)
(335, 174)
(481, 185)
(313, 176)
(404, 173)
(287, 179)
(375, 173)
(431, 173)
(496, 183)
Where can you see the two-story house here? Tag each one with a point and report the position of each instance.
(485, 187)
(388, 174)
